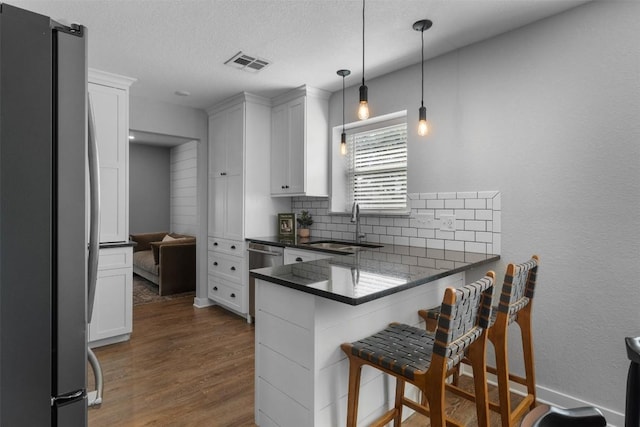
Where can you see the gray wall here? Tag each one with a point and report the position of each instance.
(149, 188)
(548, 115)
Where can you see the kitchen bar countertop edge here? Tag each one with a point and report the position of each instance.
(370, 273)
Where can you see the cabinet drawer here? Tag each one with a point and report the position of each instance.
(226, 293)
(111, 258)
(230, 267)
(291, 256)
(233, 247)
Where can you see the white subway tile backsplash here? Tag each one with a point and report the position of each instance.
(469, 236)
(399, 240)
(478, 222)
(452, 245)
(475, 204)
(484, 214)
(435, 244)
(417, 242)
(475, 225)
(483, 236)
(475, 247)
(454, 204)
(401, 222)
(394, 231)
(435, 204)
(465, 213)
(379, 230)
(417, 204)
(386, 221)
(427, 233)
(467, 195)
(445, 235)
(497, 221)
(487, 194)
(446, 195)
(409, 232)
(386, 239)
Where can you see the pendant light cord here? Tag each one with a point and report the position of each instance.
(422, 66)
(343, 103)
(363, 42)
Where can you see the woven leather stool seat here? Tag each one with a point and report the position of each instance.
(516, 300)
(423, 359)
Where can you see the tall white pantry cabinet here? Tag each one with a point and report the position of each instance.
(113, 307)
(240, 204)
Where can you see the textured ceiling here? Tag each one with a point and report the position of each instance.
(181, 45)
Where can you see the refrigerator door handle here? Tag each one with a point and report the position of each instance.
(94, 215)
(95, 397)
(59, 400)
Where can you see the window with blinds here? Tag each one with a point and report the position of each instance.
(377, 167)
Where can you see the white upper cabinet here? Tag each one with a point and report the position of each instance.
(226, 172)
(300, 143)
(109, 94)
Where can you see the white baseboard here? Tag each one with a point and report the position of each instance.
(202, 302)
(555, 398)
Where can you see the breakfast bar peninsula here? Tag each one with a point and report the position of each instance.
(304, 311)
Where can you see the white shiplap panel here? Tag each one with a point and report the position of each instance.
(184, 183)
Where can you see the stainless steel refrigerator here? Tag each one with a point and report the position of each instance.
(44, 231)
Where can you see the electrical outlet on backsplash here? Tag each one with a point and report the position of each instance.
(472, 222)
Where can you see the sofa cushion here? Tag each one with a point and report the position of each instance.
(168, 238)
(144, 260)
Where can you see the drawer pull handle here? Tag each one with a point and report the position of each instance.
(215, 243)
(215, 288)
(223, 173)
(233, 295)
(299, 259)
(233, 269)
(286, 186)
(233, 246)
(215, 262)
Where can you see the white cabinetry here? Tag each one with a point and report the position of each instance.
(240, 204)
(109, 95)
(113, 308)
(300, 143)
(291, 256)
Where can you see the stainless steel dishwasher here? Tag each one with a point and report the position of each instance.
(261, 255)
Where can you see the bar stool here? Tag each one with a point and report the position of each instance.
(425, 360)
(516, 301)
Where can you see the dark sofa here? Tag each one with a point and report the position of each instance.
(169, 262)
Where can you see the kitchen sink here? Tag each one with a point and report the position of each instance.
(336, 245)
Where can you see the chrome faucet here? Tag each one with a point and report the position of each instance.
(355, 217)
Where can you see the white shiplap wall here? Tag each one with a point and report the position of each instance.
(184, 201)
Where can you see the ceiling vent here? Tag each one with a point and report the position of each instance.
(247, 63)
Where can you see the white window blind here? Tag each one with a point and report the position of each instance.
(377, 167)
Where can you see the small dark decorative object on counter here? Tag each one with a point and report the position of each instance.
(304, 221)
(286, 225)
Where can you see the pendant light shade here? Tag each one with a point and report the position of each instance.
(363, 108)
(343, 136)
(423, 127)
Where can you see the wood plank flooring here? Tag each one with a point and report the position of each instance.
(193, 367)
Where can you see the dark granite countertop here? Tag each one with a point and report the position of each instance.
(370, 273)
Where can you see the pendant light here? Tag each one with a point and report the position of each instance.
(363, 109)
(423, 128)
(343, 137)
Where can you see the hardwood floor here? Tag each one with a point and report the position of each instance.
(193, 367)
